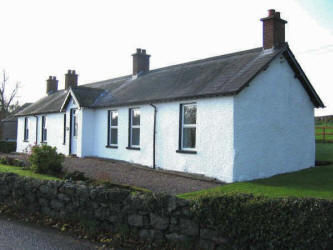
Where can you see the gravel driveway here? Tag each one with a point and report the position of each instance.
(135, 175)
(121, 172)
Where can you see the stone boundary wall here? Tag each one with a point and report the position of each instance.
(156, 217)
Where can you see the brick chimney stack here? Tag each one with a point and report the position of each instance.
(70, 79)
(273, 30)
(51, 85)
(140, 62)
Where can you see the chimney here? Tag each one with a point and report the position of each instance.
(140, 62)
(51, 85)
(70, 79)
(273, 30)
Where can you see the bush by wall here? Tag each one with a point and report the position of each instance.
(7, 147)
(45, 159)
(11, 161)
(232, 221)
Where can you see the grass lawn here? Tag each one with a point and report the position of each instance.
(313, 182)
(27, 173)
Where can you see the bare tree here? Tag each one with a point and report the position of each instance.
(7, 96)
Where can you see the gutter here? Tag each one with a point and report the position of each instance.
(154, 136)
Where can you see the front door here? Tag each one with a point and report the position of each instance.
(74, 132)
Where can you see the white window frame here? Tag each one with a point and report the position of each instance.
(113, 127)
(134, 126)
(188, 126)
(26, 129)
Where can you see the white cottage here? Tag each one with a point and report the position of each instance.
(233, 117)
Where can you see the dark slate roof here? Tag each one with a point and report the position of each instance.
(216, 76)
(12, 117)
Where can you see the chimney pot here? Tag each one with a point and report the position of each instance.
(271, 12)
(138, 51)
(51, 85)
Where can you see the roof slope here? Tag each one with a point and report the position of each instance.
(12, 117)
(221, 75)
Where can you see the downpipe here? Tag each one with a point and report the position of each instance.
(154, 136)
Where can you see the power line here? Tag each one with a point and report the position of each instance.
(322, 49)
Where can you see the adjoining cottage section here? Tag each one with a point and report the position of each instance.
(234, 117)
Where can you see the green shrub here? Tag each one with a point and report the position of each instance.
(254, 222)
(7, 146)
(11, 161)
(75, 176)
(44, 159)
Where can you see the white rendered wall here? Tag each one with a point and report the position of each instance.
(22, 145)
(214, 137)
(274, 125)
(54, 125)
(87, 132)
(97, 125)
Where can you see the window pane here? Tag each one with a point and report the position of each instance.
(114, 136)
(135, 136)
(189, 137)
(190, 113)
(44, 135)
(114, 118)
(135, 117)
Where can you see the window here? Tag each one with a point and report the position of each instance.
(44, 129)
(112, 128)
(188, 121)
(64, 142)
(134, 128)
(26, 129)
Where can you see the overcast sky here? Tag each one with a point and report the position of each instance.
(96, 38)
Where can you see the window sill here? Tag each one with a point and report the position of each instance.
(25, 140)
(111, 146)
(43, 142)
(186, 151)
(132, 148)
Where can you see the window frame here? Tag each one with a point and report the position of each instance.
(44, 130)
(26, 129)
(110, 127)
(131, 127)
(182, 126)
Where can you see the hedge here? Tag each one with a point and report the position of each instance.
(250, 222)
(7, 147)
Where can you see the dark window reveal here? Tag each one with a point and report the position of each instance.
(44, 129)
(64, 129)
(26, 129)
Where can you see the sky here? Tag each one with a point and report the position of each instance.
(96, 38)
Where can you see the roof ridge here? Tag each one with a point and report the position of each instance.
(208, 59)
(182, 64)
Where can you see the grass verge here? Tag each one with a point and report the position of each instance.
(313, 182)
(27, 173)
